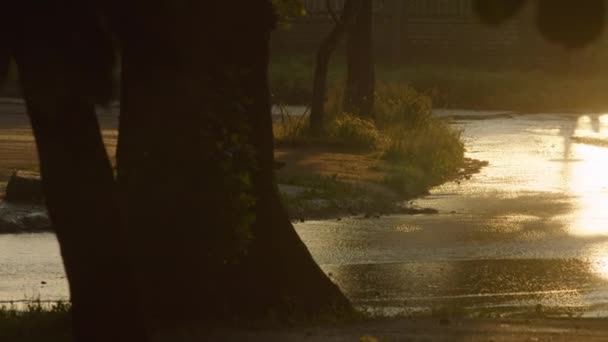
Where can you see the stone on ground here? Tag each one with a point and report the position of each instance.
(24, 187)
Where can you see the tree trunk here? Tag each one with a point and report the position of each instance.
(196, 170)
(328, 45)
(77, 177)
(360, 79)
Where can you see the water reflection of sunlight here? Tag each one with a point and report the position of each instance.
(587, 180)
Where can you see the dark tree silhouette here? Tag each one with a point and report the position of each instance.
(328, 45)
(64, 61)
(199, 223)
(196, 168)
(561, 22)
(360, 79)
(214, 172)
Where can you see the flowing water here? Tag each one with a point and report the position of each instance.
(530, 232)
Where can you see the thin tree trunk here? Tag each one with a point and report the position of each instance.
(360, 80)
(76, 173)
(328, 45)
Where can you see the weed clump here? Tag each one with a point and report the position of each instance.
(423, 149)
(36, 321)
(419, 149)
(356, 132)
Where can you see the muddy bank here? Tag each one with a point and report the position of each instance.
(333, 198)
(359, 190)
(22, 211)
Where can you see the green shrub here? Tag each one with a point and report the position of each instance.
(291, 128)
(425, 156)
(399, 105)
(344, 130)
(354, 132)
(424, 150)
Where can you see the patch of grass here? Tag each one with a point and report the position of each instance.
(418, 149)
(356, 132)
(344, 131)
(328, 196)
(289, 128)
(421, 150)
(36, 322)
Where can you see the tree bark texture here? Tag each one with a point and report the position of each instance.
(196, 170)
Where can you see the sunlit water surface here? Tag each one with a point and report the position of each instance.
(530, 231)
(30, 268)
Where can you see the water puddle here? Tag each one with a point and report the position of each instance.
(31, 269)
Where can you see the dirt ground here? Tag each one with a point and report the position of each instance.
(17, 145)
(326, 162)
(18, 149)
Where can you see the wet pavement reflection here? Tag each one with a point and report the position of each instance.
(529, 232)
